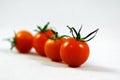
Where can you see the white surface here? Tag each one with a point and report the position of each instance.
(104, 60)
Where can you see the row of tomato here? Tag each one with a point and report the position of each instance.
(72, 50)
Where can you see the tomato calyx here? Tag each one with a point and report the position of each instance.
(77, 35)
(12, 41)
(44, 29)
(56, 36)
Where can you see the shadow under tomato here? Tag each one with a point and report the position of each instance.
(45, 60)
(55, 64)
(97, 68)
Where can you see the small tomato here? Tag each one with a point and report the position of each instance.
(75, 51)
(23, 41)
(40, 38)
(52, 48)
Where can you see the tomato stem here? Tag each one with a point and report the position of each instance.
(71, 31)
(78, 35)
(80, 31)
(12, 41)
(56, 36)
(94, 32)
(44, 29)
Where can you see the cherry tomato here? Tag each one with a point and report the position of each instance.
(40, 38)
(22, 41)
(74, 52)
(52, 48)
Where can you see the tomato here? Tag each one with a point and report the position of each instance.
(52, 48)
(39, 41)
(74, 52)
(22, 41)
(40, 38)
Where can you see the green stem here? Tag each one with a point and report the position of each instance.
(78, 35)
(44, 29)
(94, 32)
(12, 41)
(71, 31)
(91, 33)
(56, 36)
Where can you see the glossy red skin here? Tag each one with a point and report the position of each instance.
(74, 52)
(39, 41)
(24, 41)
(52, 49)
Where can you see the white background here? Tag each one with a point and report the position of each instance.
(104, 59)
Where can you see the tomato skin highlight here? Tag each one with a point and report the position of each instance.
(74, 52)
(24, 41)
(39, 41)
(52, 49)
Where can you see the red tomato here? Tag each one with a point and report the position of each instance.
(39, 41)
(74, 52)
(52, 49)
(23, 41)
(40, 38)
